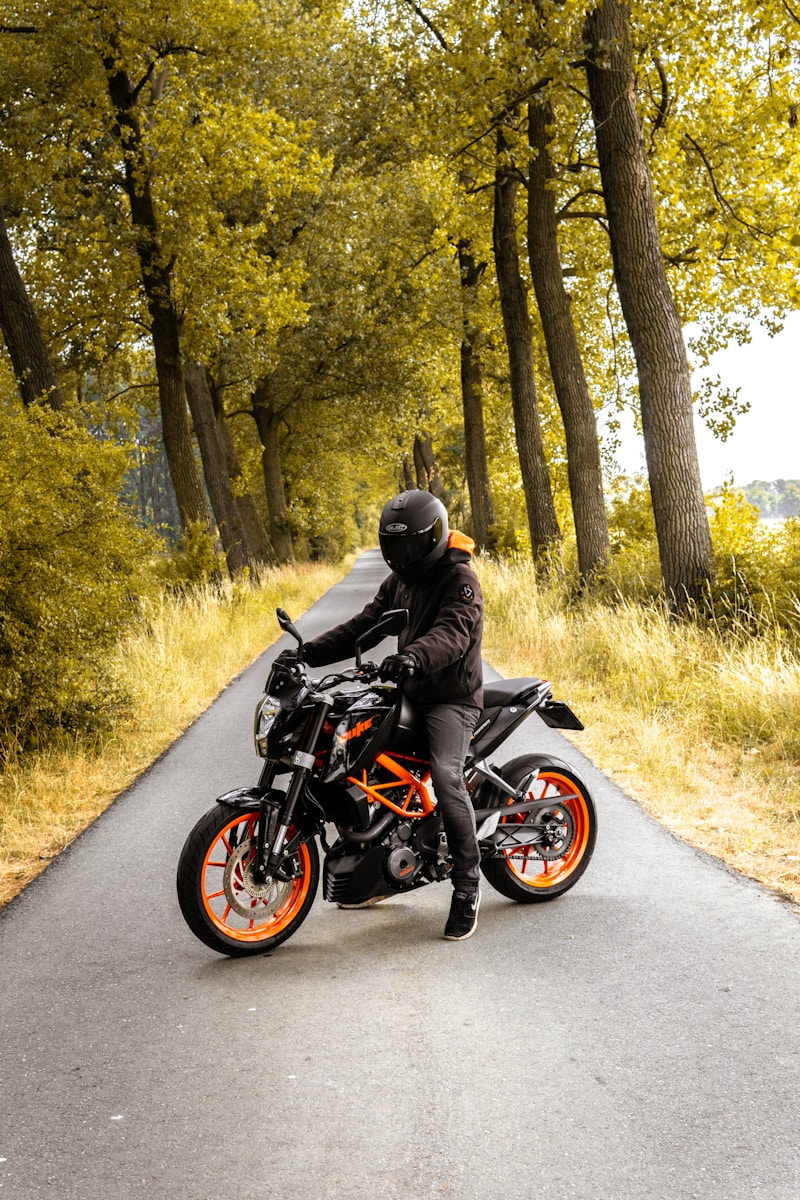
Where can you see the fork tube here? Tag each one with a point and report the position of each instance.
(303, 762)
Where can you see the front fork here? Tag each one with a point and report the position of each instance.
(274, 824)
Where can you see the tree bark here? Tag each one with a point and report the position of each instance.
(429, 476)
(226, 512)
(566, 367)
(30, 358)
(157, 281)
(407, 476)
(649, 309)
(478, 485)
(542, 520)
(268, 422)
(254, 528)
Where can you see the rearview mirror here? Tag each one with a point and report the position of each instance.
(287, 625)
(390, 623)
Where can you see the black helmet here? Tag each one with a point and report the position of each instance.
(413, 533)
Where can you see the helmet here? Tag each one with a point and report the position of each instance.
(413, 533)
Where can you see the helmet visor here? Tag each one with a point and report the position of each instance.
(404, 550)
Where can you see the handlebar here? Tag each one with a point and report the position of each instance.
(366, 673)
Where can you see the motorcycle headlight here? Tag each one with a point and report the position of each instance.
(267, 711)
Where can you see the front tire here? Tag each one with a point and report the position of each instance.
(535, 871)
(222, 903)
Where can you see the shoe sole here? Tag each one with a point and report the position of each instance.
(461, 937)
(366, 903)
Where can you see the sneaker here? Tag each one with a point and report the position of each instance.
(463, 919)
(368, 903)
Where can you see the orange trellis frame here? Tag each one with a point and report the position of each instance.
(416, 789)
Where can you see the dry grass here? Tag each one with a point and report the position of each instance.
(173, 667)
(702, 729)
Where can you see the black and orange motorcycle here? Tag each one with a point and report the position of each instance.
(346, 751)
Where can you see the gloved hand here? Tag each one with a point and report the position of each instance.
(287, 658)
(398, 666)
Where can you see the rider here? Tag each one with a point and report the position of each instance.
(438, 660)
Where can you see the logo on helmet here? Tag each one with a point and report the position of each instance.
(396, 527)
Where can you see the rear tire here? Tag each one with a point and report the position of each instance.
(221, 902)
(568, 832)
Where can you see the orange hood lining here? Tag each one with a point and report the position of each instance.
(460, 541)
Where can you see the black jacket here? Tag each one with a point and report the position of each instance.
(443, 633)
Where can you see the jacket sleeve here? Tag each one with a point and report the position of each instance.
(458, 625)
(340, 642)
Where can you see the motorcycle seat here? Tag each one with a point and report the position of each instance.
(506, 691)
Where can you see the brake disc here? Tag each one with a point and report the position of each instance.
(242, 889)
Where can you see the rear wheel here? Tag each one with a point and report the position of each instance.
(547, 851)
(222, 902)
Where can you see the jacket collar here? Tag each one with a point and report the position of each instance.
(460, 541)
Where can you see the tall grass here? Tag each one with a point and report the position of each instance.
(184, 650)
(699, 723)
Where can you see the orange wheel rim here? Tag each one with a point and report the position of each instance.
(528, 867)
(234, 903)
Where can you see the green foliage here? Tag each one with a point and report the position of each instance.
(71, 564)
(758, 567)
(193, 562)
(780, 498)
(634, 570)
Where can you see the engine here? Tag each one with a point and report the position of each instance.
(413, 853)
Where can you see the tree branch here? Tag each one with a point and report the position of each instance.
(506, 111)
(791, 12)
(755, 230)
(428, 23)
(563, 211)
(663, 107)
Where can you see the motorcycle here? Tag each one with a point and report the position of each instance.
(348, 751)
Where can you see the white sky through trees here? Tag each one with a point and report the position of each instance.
(765, 444)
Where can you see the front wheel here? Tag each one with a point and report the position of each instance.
(222, 902)
(547, 851)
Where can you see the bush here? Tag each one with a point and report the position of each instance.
(634, 570)
(758, 566)
(194, 562)
(70, 565)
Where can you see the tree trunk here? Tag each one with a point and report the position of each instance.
(255, 530)
(268, 422)
(226, 512)
(542, 520)
(478, 485)
(30, 358)
(649, 309)
(407, 475)
(429, 476)
(157, 280)
(566, 367)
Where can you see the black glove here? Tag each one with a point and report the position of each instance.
(396, 666)
(287, 658)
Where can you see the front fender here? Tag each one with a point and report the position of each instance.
(248, 797)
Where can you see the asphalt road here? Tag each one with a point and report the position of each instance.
(637, 1038)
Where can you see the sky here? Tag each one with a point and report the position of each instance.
(765, 443)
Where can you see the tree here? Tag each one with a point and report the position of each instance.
(650, 314)
(480, 491)
(157, 273)
(563, 351)
(542, 520)
(22, 333)
(232, 534)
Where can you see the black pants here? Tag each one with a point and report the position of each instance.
(449, 728)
